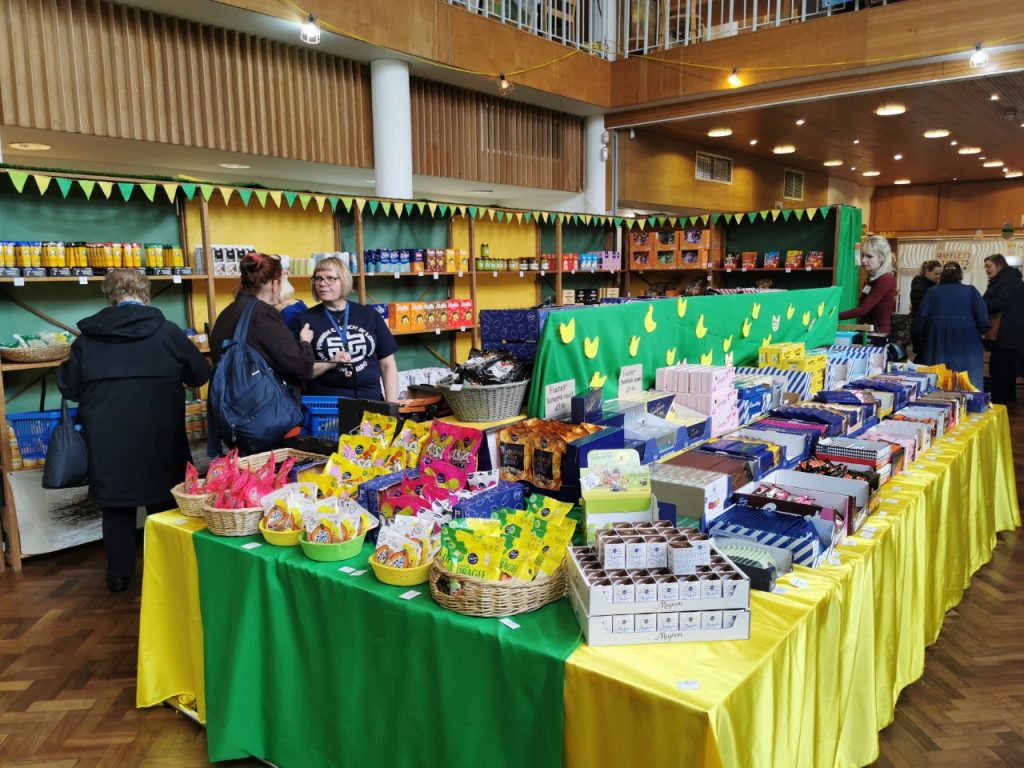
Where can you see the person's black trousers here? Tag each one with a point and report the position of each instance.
(1002, 370)
(119, 537)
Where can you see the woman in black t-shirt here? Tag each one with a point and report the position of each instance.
(354, 349)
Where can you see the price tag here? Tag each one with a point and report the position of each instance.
(19, 282)
(251, 545)
(688, 685)
(410, 594)
(176, 279)
(558, 399)
(435, 275)
(510, 624)
(798, 582)
(85, 280)
(346, 569)
(631, 379)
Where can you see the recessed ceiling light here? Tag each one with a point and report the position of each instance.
(901, 182)
(969, 150)
(936, 133)
(234, 166)
(1014, 175)
(887, 110)
(856, 141)
(953, 143)
(832, 163)
(801, 121)
(784, 149)
(753, 142)
(994, 97)
(993, 164)
(872, 173)
(897, 157)
(717, 133)
(29, 146)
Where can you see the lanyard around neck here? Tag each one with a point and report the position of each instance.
(343, 330)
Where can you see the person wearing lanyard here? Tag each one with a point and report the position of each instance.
(354, 349)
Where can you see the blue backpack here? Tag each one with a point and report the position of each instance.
(250, 407)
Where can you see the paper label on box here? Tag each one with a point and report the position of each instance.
(558, 399)
(631, 379)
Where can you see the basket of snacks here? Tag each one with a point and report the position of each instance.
(489, 386)
(406, 547)
(43, 347)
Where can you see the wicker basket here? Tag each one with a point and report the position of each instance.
(36, 354)
(477, 597)
(189, 504)
(233, 522)
(485, 403)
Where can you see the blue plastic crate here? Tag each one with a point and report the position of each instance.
(33, 429)
(321, 416)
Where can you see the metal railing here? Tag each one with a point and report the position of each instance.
(614, 28)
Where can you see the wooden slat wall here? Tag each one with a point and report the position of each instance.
(468, 135)
(92, 67)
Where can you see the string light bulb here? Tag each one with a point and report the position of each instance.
(979, 58)
(734, 80)
(310, 33)
(505, 86)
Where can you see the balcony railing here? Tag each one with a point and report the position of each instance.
(611, 28)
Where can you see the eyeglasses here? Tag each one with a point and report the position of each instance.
(329, 279)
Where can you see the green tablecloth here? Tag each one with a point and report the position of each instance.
(307, 665)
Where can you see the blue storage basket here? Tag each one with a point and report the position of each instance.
(321, 416)
(32, 431)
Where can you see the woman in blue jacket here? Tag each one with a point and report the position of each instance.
(952, 319)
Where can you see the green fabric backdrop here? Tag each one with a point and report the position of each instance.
(308, 666)
(591, 345)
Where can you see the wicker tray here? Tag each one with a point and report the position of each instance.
(485, 403)
(189, 504)
(233, 522)
(36, 354)
(477, 597)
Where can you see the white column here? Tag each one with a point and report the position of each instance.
(594, 167)
(392, 128)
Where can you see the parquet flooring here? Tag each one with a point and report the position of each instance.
(68, 653)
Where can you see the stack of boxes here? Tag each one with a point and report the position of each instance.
(707, 389)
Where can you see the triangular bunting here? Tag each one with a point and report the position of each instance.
(126, 188)
(261, 197)
(321, 201)
(64, 185)
(226, 193)
(810, 213)
(751, 217)
(149, 190)
(290, 197)
(305, 199)
(775, 214)
(786, 213)
(432, 207)
(823, 211)
(409, 206)
(275, 196)
(171, 190)
(18, 179)
(42, 181)
(374, 205)
(245, 195)
(386, 207)
(87, 187)
(189, 190)
(207, 191)
(420, 207)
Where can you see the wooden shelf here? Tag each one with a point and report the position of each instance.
(5, 367)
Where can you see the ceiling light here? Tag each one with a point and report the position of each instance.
(753, 142)
(801, 121)
(734, 80)
(887, 110)
(994, 164)
(872, 173)
(310, 33)
(1014, 175)
(234, 166)
(969, 150)
(994, 97)
(897, 157)
(505, 86)
(856, 141)
(29, 146)
(901, 182)
(784, 149)
(832, 163)
(717, 133)
(978, 58)
(936, 133)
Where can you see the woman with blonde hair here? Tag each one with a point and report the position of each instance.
(355, 351)
(878, 297)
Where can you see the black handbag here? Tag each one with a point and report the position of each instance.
(67, 457)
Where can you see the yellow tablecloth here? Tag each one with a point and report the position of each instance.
(170, 626)
(827, 659)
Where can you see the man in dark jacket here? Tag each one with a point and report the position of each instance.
(1004, 300)
(126, 372)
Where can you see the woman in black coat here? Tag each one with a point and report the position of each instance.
(1004, 298)
(927, 278)
(126, 373)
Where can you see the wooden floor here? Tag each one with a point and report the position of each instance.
(68, 650)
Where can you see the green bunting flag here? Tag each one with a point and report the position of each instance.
(125, 188)
(64, 185)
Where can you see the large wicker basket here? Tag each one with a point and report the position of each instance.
(189, 504)
(36, 354)
(477, 597)
(492, 402)
(233, 522)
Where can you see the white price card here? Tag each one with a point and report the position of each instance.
(558, 399)
(410, 594)
(510, 624)
(631, 379)
(251, 545)
(19, 281)
(83, 280)
(688, 685)
(176, 279)
(346, 569)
